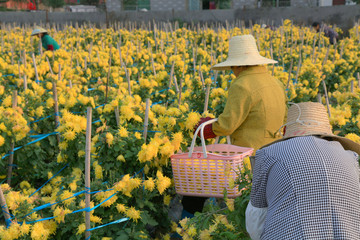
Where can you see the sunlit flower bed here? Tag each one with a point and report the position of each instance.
(115, 71)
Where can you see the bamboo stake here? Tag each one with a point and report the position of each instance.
(24, 61)
(87, 171)
(146, 121)
(358, 78)
(117, 115)
(107, 80)
(289, 76)
(47, 59)
(12, 55)
(326, 97)
(25, 82)
(59, 76)
(128, 79)
(171, 74)
(19, 68)
(152, 59)
(352, 86)
(207, 98)
(180, 90)
(4, 208)
(36, 71)
(56, 108)
(11, 156)
(318, 96)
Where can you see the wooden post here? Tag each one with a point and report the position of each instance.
(207, 98)
(87, 171)
(11, 155)
(36, 72)
(146, 118)
(56, 108)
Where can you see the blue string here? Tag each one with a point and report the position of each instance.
(34, 141)
(49, 179)
(7, 75)
(88, 238)
(100, 106)
(107, 224)
(160, 91)
(96, 121)
(91, 209)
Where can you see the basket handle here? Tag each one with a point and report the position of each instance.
(201, 129)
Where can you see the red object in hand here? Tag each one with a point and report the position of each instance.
(208, 132)
(50, 47)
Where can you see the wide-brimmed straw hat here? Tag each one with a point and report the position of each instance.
(242, 52)
(38, 30)
(310, 118)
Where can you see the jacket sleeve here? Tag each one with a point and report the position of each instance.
(255, 221)
(236, 110)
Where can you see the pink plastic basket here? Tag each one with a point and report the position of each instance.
(206, 171)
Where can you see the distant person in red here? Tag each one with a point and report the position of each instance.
(31, 6)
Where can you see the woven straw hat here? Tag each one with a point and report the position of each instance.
(242, 52)
(38, 30)
(309, 118)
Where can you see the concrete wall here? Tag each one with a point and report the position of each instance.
(168, 5)
(113, 5)
(244, 4)
(342, 16)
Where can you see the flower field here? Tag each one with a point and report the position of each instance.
(44, 97)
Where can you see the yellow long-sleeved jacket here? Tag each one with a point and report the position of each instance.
(255, 109)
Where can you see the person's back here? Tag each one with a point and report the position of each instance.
(49, 43)
(312, 190)
(259, 101)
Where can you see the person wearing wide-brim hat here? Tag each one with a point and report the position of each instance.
(306, 185)
(255, 108)
(256, 104)
(47, 42)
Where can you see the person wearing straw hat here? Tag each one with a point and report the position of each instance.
(47, 42)
(256, 104)
(306, 185)
(255, 108)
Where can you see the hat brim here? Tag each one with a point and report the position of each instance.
(345, 142)
(36, 32)
(243, 61)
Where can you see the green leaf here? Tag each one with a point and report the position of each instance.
(147, 219)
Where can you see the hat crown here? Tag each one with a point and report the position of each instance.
(307, 118)
(243, 51)
(242, 45)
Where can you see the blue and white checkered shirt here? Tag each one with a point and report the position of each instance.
(311, 189)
